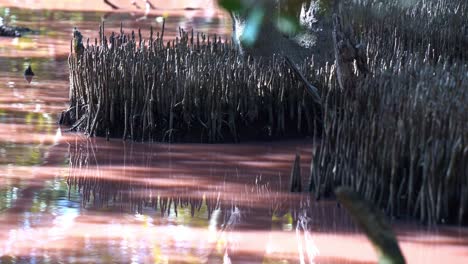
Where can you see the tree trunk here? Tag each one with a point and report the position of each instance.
(315, 41)
(326, 38)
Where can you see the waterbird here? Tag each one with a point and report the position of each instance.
(77, 42)
(28, 74)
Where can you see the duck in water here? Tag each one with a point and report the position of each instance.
(28, 74)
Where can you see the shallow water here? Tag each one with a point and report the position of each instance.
(67, 198)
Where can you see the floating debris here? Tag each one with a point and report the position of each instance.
(11, 31)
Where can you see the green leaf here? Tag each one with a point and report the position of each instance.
(231, 5)
(252, 26)
(374, 225)
(288, 25)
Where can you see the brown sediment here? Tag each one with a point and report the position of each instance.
(400, 135)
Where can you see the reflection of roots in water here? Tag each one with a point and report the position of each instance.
(258, 205)
(136, 195)
(124, 195)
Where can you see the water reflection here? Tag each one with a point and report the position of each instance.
(150, 174)
(130, 213)
(124, 202)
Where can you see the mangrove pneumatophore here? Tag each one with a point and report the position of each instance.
(399, 136)
(195, 88)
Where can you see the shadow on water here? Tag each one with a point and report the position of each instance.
(122, 200)
(139, 177)
(217, 199)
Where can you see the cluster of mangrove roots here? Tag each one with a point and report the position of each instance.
(400, 135)
(194, 88)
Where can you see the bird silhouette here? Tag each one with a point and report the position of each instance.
(28, 74)
(77, 42)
